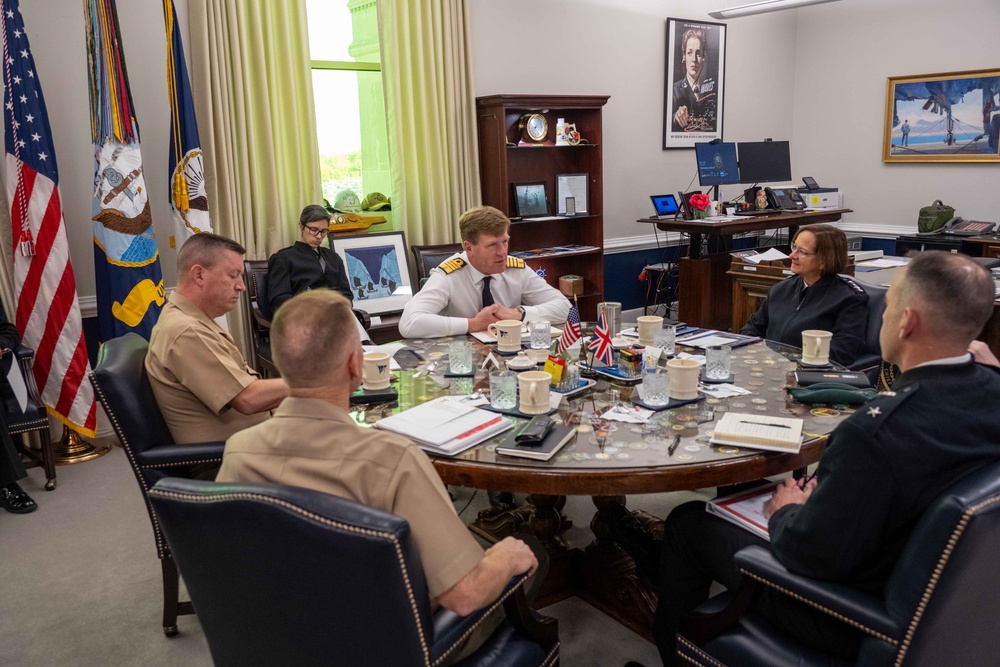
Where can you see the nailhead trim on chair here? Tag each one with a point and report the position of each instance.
(812, 603)
(553, 656)
(708, 660)
(936, 575)
(325, 521)
(178, 464)
(27, 427)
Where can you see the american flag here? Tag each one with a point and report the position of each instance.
(48, 310)
(571, 332)
(601, 345)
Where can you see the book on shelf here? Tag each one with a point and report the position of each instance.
(745, 508)
(549, 447)
(446, 425)
(779, 434)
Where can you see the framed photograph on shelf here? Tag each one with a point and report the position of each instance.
(572, 186)
(531, 200)
(695, 80)
(377, 270)
(947, 117)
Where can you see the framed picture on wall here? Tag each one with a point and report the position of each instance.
(694, 83)
(376, 270)
(948, 117)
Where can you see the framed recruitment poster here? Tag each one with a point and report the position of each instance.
(694, 82)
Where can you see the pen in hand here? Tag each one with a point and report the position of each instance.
(673, 445)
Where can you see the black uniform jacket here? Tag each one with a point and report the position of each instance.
(881, 469)
(296, 269)
(833, 303)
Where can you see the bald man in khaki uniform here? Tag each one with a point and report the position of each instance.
(203, 385)
(312, 442)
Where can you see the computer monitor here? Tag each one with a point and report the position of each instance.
(717, 164)
(764, 162)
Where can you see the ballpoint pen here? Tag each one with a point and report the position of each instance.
(673, 445)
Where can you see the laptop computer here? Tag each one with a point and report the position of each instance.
(665, 205)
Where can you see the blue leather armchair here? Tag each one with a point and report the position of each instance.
(938, 607)
(122, 387)
(284, 575)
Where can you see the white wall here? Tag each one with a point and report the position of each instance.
(814, 75)
(616, 48)
(56, 31)
(849, 48)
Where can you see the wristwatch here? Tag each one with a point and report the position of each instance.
(521, 310)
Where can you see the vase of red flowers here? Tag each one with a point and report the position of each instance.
(699, 205)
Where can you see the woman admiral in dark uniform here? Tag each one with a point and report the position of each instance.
(816, 297)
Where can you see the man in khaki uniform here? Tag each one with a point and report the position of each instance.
(311, 441)
(203, 385)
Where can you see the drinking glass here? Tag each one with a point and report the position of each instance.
(655, 386)
(665, 339)
(540, 335)
(460, 357)
(718, 359)
(503, 390)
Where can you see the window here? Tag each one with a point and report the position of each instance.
(350, 107)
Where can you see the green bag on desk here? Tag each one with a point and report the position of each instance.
(832, 392)
(933, 217)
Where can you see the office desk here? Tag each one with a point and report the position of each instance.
(705, 291)
(634, 460)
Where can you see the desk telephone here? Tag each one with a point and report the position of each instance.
(959, 227)
(784, 198)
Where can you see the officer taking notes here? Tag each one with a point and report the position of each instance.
(481, 285)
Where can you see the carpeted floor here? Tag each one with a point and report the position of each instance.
(80, 582)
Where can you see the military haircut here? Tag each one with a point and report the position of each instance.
(956, 290)
(204, 249)
(482, 220)
(311, 335)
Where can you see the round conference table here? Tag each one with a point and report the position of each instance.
(635, 459)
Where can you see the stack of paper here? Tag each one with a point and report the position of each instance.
(745, 509)
(445, 425)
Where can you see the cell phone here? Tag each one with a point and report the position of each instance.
(407, 358)
(810, 182)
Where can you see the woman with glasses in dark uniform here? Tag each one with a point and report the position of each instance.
(816, 297)
(306, 265)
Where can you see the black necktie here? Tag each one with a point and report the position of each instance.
(487, 294)
(322, 262)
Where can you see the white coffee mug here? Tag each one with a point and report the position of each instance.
(648, 326)
(375, 374)
(816, 347)
(508, 335)
(683, 378)
(534, 389)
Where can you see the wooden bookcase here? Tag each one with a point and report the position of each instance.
(502, 163)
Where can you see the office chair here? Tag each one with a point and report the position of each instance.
(871, 358)
(285, 575)
(122, 387)
(935, 610)
(429, 256)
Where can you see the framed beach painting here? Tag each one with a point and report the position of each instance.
(377, 270)
(947, 117)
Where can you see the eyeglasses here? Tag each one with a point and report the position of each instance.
(315, 231)
(797, 250)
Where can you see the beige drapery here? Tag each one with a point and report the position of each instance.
(430, 115)
(252, 85)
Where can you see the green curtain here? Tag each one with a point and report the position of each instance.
(430, 115)
(252, 85)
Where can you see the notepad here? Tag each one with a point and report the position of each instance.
(746, 508)
(780, 434)
(446, 426)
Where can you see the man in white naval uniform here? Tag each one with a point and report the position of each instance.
(481, 285)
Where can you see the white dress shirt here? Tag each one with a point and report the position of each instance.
(444, 305)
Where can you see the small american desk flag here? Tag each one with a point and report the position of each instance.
(47, 312)
(571, 332)
(601, 346)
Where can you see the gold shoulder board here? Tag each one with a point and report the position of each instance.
(515, 262)
(452, 265)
